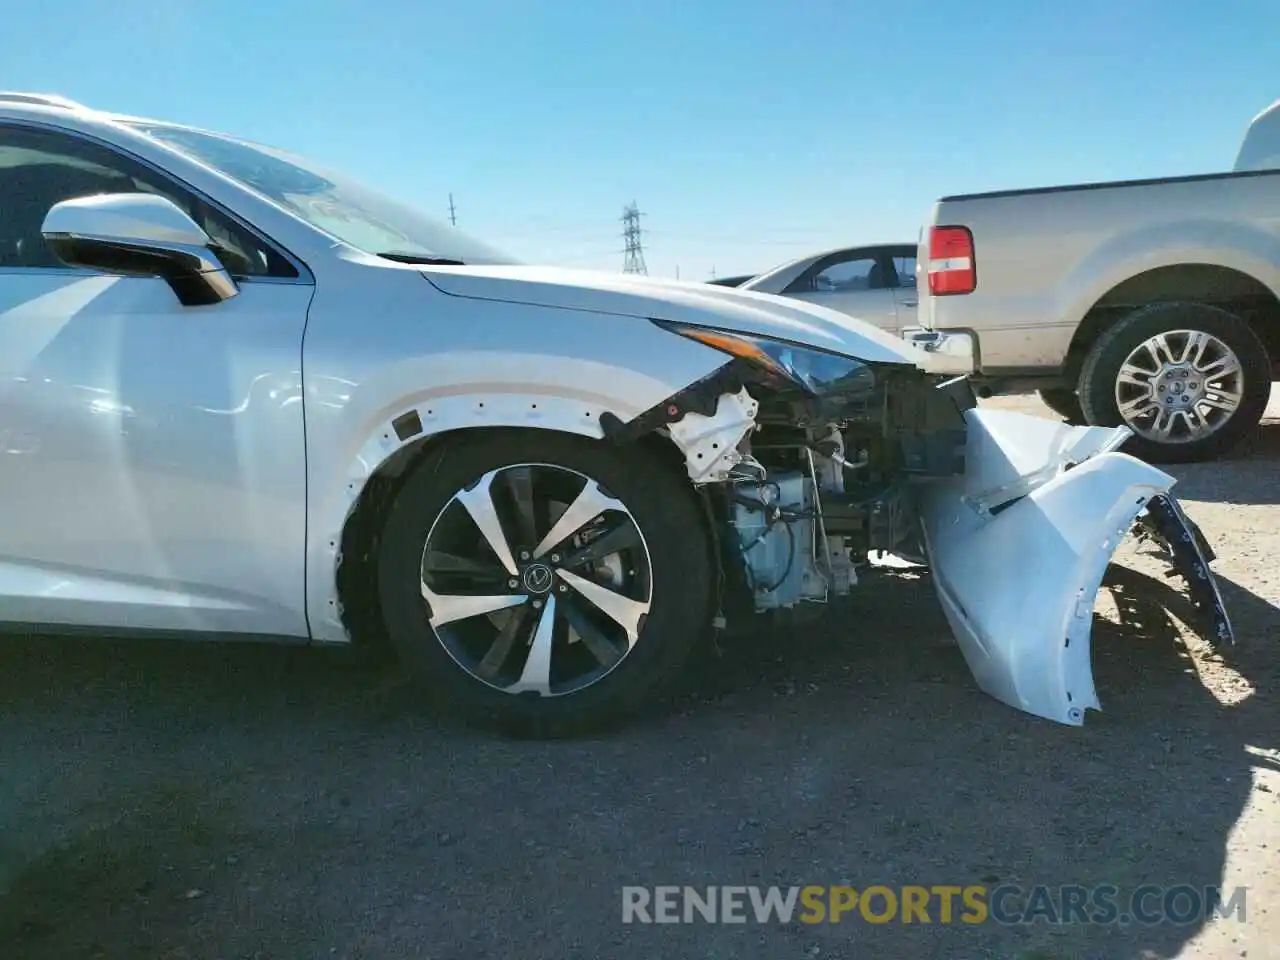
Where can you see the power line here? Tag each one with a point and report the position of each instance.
(517, 230)
(742, 239)
(594, 263)
(453, 216)
(633, 256)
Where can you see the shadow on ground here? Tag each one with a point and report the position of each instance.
(1246, 475)
(252, 802)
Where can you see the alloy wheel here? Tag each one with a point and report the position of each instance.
(537, 580)
(1179, 386)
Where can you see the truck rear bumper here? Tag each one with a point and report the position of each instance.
(952, 351)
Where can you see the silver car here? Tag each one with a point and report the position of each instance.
(875, 283)
(244, 396)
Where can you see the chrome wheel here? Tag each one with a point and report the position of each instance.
(536, 580)
(1179, 386)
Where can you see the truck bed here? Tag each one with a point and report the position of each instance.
(1047, 258)
(1106, 185)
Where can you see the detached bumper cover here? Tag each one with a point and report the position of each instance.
(1019, 546)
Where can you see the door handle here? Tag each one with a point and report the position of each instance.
(910, 303)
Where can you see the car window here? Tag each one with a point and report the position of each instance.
(326, 199)
(39, 169)
(848, 276)
(906, 268)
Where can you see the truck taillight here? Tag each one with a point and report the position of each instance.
(951, 263)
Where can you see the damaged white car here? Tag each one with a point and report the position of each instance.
(244, 396)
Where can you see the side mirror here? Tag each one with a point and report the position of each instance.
(139, 235)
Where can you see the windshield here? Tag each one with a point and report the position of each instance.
(329, 201)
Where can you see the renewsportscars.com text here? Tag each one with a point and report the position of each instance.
(1007, 904)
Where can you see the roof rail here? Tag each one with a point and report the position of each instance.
(39, 99)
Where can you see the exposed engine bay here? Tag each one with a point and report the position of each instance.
(816, 467)
(811, 473)
(826, 481)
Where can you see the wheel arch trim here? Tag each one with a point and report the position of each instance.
(391, 448)
(1093, 323)
(1229, 246)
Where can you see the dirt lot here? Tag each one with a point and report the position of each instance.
(222, 802)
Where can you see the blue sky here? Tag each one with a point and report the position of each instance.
(749, 132)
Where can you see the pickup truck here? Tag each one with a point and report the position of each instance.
(1152, 304)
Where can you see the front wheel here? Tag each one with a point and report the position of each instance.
(542, 583)
(1190, 380)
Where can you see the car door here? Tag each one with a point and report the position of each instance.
(856, 282)
(904, 286)
(152, 462)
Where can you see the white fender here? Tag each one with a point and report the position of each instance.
(434, 414)
(1018, 549)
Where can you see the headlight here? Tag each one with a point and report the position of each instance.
(816, 371)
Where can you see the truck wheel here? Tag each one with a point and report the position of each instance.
(1065, 403)
(544, 584)
(1190, 380)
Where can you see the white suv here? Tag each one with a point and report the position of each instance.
(241, 395)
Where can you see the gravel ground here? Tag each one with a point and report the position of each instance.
(233, 802)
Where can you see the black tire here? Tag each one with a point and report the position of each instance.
(1102, 366)
(1065, 403)
(663, 507)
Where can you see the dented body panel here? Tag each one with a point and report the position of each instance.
(1018, 548)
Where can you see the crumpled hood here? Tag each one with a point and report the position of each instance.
(678, 301)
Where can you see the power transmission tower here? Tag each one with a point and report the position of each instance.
(453, 216)
(633, 260)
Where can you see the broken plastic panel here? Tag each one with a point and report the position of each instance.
(1019, 545)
